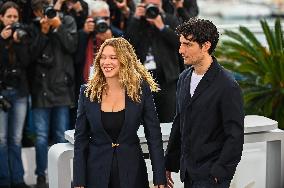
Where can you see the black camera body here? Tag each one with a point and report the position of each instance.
(101, 25)
(49, 11)
(20, 29)
(151, 11)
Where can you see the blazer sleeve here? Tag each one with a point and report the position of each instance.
(232, 115)
(81, 143)
(173, 152)
(154, 137)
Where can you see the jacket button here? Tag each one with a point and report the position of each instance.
(43, 75)
(44, 93)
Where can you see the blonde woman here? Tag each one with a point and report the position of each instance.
(112, 106)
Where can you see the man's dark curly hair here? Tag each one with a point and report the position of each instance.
(200, 31)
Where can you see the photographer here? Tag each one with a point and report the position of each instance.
(52, 78)
(78, 9)
(14, 59)
(151, 32)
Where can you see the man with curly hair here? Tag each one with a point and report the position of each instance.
(207, 136)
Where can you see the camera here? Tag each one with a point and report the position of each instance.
(151, 11)
(49, 11)
(20, 29)
(100, 24)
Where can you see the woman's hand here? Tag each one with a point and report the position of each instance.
(170, 182)
(78, 187)
(6, 32)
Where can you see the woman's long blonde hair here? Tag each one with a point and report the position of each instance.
(131, 72)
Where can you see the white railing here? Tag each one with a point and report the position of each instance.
(257, 129)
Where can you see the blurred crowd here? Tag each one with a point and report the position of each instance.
(47, 51)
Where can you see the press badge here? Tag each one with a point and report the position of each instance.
(150, 63)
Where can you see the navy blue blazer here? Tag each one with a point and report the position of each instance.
(207, 135)
(93, 151)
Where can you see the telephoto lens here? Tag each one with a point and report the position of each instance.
(151, 11)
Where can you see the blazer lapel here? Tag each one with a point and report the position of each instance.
(206, 80)
(126, 115)
(186, 93)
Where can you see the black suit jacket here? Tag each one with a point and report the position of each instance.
(208, 131)
(93, 151)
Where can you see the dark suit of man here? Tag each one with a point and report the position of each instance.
(208, 131)
(93, 150)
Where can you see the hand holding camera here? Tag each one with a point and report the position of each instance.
(140, 10)
(152, 14)
(97, 24)
(54, 22)
(6, 32)
(89, 25)
(45, 26)
(17, 31)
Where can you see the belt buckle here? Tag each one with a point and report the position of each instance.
(113, 145)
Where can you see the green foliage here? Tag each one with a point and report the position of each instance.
(261, 68)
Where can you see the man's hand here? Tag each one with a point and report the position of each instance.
(158, 22)
(105, 35)
(170, 182)
(140, 11)
(58, 4)
(54, 22)
(89, 25)
(45, 26)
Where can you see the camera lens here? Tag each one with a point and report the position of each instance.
(152, 11)
(101, 25)
(20, 29)
(49, 12)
